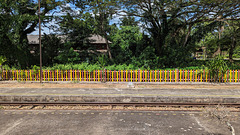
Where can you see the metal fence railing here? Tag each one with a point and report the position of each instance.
(120, 75)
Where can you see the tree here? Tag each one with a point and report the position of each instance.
(18, 19)
(103, 11)
(128, 21)
(164, 19)
(217, 68)
(51, 46)
(67, 54)
(77, 29)
(127, 43)
(229, 39)
(233, 36)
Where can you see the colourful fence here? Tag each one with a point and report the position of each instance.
(120, 76)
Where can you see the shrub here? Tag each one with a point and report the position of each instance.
(217, 68)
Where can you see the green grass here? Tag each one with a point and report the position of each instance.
(193, 65)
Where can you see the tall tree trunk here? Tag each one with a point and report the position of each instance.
(158, 40)
(232, 46)
(106, 41)
(102, 17)
(158, 46)
(23, 54)
(187, 36)
(108, 48)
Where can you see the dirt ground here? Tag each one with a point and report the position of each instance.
(116, 85)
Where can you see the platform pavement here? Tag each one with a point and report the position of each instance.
(199, 95)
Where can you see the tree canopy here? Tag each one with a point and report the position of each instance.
(148, 33)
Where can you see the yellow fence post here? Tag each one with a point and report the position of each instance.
(80, 75)
(94, 75)
(206, 75)
(84, 75)
(17, 75)
(117, 76)
(225, 77)
(146, 71)
(165, 75)
(136, 75)
(235, 76)
(13, 75)
(89, 76)
(71, 74)
(201, 76)
(62, 75)
(53, 75)
(196, 76)
(98, 75)
(190, 75)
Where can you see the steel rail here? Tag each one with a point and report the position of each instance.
(162, 106)
(120, 104)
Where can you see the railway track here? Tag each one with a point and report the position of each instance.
(153, 106)
(121, 103)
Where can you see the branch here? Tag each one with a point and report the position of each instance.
(186, 38)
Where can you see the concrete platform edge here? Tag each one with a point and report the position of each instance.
(124, 99)
(135, 83)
